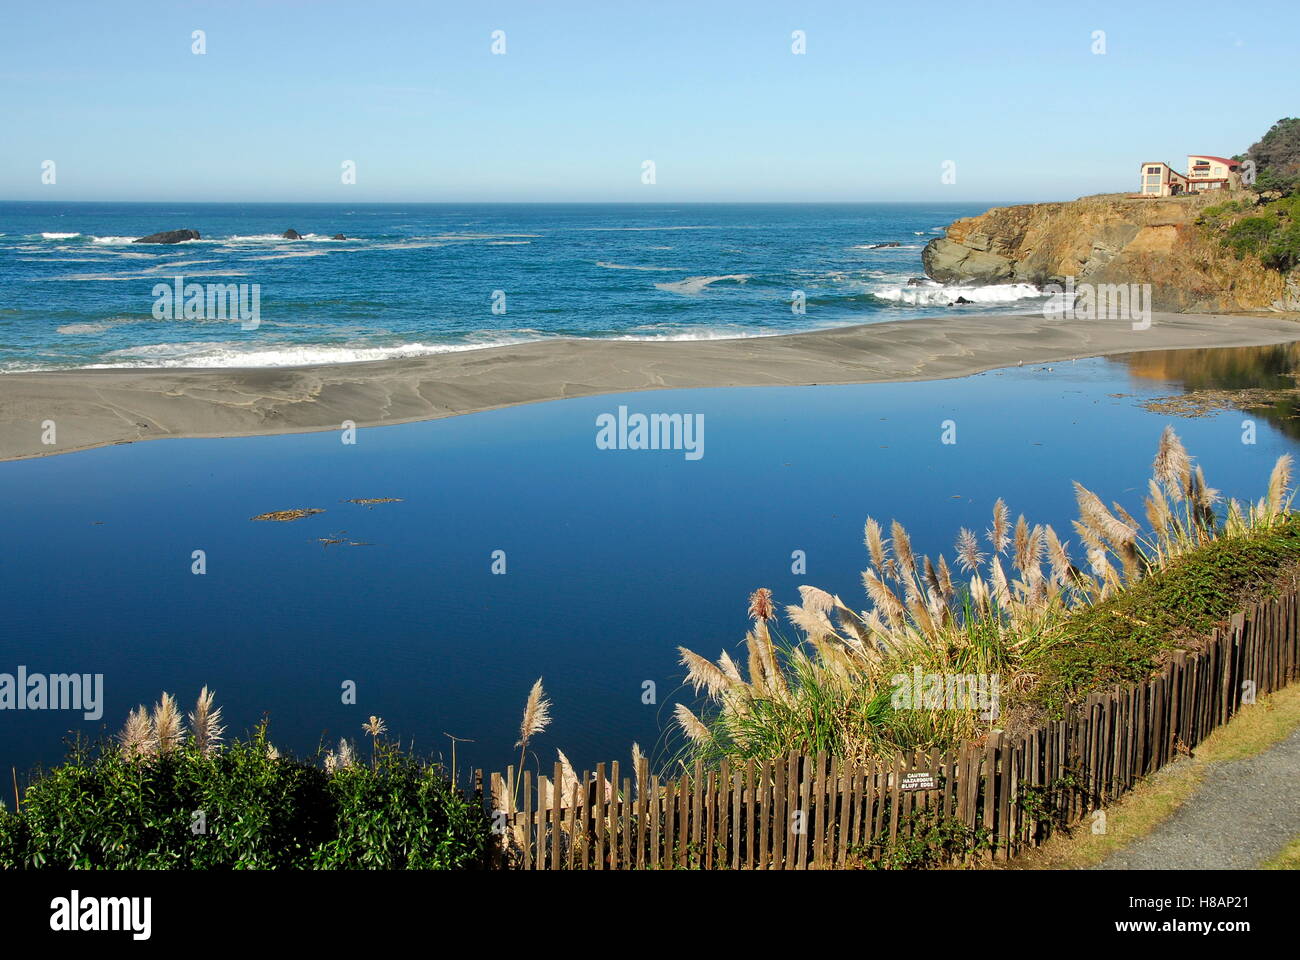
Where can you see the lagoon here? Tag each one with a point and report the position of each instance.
(606, 560)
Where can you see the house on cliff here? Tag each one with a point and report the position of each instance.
(1204, 172)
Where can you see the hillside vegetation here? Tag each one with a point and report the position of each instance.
(1277, 158)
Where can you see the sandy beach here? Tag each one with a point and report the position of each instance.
(97, 407)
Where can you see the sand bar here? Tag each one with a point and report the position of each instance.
(92, 408)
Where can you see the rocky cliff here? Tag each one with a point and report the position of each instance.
(1108, 239)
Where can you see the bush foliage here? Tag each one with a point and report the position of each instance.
(1270, 232)
(1277, 157)
(241, 807)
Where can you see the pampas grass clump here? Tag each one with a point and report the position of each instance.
(831, 690)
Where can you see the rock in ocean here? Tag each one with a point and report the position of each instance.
(169, 236)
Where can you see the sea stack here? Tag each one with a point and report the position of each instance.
(169, 236)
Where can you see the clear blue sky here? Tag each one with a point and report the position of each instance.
(710, 91)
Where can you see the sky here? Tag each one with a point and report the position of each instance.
(942, 101)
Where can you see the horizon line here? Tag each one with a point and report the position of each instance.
(643, 203)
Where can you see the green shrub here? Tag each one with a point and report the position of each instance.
(1250, 236)
(926, 839)
(1212, 216)
(1119, 639)
(1269, 181)
(1272, 234)
(402, 815)
(1277, 157)
(241, 807)
(1283, 250)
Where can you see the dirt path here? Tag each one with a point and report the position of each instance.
(1242, 814)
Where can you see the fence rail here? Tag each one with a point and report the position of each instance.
(802, 812)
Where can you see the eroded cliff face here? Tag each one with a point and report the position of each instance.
(1107, 239)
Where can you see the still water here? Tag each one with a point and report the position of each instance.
(612, 558)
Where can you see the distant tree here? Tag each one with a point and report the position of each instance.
(1277, 157)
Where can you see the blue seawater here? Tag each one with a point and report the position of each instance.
(414, 279)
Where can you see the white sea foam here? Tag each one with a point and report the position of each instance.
(151, 273)
(115, 251)
(697, 334)
(626, 266)
(940, 295)
(112, 241)
(59, 236)
(278, 238)
(407, 245)
(75, 329)
(292, 255)
(204, 354)
(451, 237)
(653, 229)
(173, 265)
(230, 354)
(103, 276)
(693, 285)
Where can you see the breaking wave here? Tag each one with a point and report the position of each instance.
(932, 294)
(693, 285)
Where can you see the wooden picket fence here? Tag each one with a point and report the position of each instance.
(804, 812)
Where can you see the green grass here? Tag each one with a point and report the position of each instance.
(1287, 859)
(1120, 639)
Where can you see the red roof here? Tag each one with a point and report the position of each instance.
(1206, 156)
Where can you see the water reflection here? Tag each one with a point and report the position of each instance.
(1263, 380)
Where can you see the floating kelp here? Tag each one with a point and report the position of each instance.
(371, 501)
(341, 537)
(284, 516)
(1202, 403)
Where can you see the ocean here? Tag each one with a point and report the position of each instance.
(417, 279)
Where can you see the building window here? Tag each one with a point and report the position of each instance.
(1153, 169)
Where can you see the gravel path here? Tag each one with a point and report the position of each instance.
(1242, 814)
